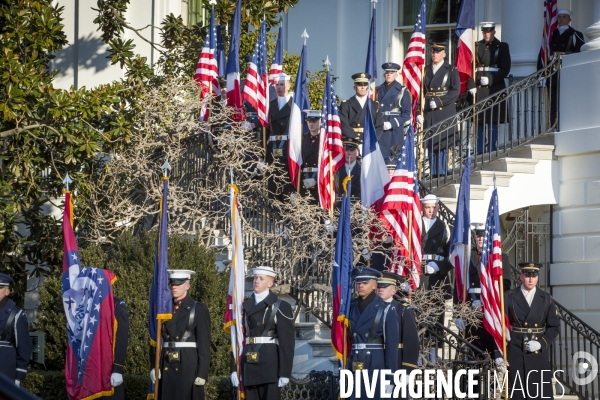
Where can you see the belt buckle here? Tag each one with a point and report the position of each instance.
(252, 357)
(358, 366)
(361, 346)
(277, 153)
(251, 340)
(277, 137)
(529, 330)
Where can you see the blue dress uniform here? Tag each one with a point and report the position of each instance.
(121, 342)
(538, 322)
(373, 327)
(15, 347)
(395, 104)
(443, 87)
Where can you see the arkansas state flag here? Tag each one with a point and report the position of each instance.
(89, 307)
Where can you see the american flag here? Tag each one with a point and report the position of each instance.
(401, 202)
(277, 61)
(550, 24)
(207, 69)
(414, 60)
(256, 89)
(330, 144)
(461, 235)
(491, 273)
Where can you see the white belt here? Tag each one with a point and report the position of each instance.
(261, 339)
(432, 257)
(279, 137)
(475, 290)
(310, 169)
(367, 346)
(490, 69)
(393, 113)
(174, 345)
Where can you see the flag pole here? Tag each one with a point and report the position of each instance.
(503, 332)
(331, 190)
(303, 36)
(422, 111)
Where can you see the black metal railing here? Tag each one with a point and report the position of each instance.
(490, 128)
(317, 385)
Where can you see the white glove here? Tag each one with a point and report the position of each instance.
(420, 119)
(17, 382)
(199, 382)
(533, 345)
(405, 287)
(387, 126)
(234, 379)
(476, 304)
(365, 253)
(389, 389)
(473, 91)
(500, 366)
(283, 381)
(247, 126)
(431, 268)
(484, 81)
(116, 379)
(432, 105)
(542, 81)
(309, 182)
(152, 378)
(460, 324)
(260, 167)
(329, 227)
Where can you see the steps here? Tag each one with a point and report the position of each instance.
(313, 349)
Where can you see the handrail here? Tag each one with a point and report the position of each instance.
(516, 115)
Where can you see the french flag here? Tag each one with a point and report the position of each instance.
(234, 94)
(460, 246)
(374, 175)
(465, 51)
(296, 126)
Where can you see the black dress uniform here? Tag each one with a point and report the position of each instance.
(395, 105)
(537, 322)
(15, 348)
(310, 166)
(121, 341)
(269, 351)
(352, 117)
(277, 148)
(408, 347)
(374, 332)
(443, 87)
(436, 247)
(186, 351)
(342, 174)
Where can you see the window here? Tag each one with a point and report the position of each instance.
(441, 16)
(196, 13)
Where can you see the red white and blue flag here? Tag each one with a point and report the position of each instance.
(491, 273)
(90, 311)
(371, 65)
(277, 61)
(256, 90)
(234, 94)
(331, 153)
(296, 125)
(402, 202)
(207, 69)
(412, 71)
(373, 173)
(550, 24)
(460, 246)
(343, 262)
(465, 51)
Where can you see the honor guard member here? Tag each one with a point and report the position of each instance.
(350, 168)
(534, 326)
(15, 348)
(388, 288)
(492, 58)
(279, 183)
(481, 337)
(270, 335)
(373, 328)
(441, 85)
(352, 111)
(435, 253)
(395, 104)
(120, 349)
(565, 40)
(310, 156)
(186, 344)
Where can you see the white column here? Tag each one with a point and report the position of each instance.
(522, 24)
(593, 32)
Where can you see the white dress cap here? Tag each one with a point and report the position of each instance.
(262, 270)
(180, 273)
(564, 11)
(430, 199)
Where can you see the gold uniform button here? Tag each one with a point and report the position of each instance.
(166, 368)
(536, 352)
(176, 369)
(525, 323)
(176, 337)
(536, 325)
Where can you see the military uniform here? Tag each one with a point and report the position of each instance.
(269, 351)
(277, 148)
(186, 347)
(374, 331)
(396, 108)
(310, 161)
(538, 322)
(120, 346)
(436, 247)
(355, 171)
(352, 117)
(443, 87)
(15, 347)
